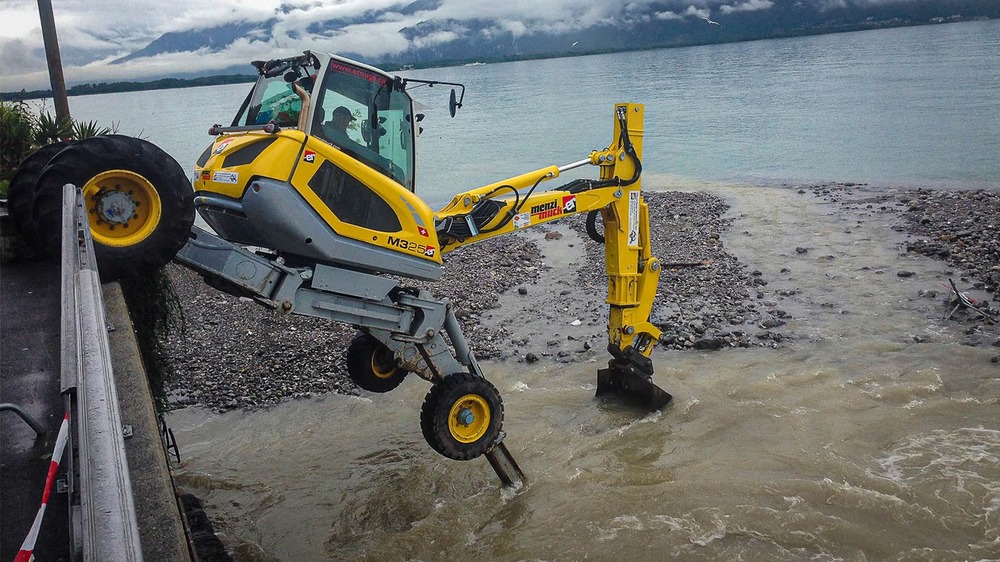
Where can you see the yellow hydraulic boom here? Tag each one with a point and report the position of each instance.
(633, 272)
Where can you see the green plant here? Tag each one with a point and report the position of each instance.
(88, 129)
(16, 134)
(50, 129)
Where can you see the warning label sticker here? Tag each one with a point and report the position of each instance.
(633, 218)
(226, 177)
(522, 220)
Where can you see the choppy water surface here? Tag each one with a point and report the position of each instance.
(852, 442)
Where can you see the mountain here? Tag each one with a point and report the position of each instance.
(439, 32)
(213, 39)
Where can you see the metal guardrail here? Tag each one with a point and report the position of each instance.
(108, 524)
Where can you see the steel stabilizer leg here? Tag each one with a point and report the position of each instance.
(505, 466)
(630, 377)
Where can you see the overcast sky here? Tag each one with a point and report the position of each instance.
(94, 32)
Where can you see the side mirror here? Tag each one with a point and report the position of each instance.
(453, 103)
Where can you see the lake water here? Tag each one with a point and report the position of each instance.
(851, 442)
(915, 106)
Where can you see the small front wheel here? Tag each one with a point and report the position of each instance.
(462, 416)
(371, 365)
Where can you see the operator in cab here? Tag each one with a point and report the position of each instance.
(336, 129)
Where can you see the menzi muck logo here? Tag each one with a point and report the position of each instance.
(554, 208)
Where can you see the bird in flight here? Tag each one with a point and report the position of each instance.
(710, 22)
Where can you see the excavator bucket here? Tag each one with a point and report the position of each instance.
(629, 376)
(633, 388)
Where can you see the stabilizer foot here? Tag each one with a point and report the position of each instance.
(505, 466)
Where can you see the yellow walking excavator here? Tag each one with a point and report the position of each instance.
(310, 194)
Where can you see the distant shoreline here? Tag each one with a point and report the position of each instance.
(120, 87)
(215, 80)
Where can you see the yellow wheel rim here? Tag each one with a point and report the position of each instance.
(123, 207)
(469, 418)
(383, 365)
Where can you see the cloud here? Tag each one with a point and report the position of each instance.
(697, 12)
(18, 56)
(667, 15)
(747, 6)
(828, 4)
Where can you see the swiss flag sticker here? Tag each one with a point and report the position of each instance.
(422, 231)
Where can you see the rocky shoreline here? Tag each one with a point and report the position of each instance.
(233, 353)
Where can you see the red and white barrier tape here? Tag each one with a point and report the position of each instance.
(26, 554)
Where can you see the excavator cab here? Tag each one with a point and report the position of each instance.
(358, 109)
(318, 165)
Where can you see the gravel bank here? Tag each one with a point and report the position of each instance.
(234, 353)
(959, 227)
(962, 227)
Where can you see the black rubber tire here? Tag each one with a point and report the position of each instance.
(456, 391)
(134, 162)
(371, 365)
(21, 192)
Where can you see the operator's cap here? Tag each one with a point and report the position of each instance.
(343, 111)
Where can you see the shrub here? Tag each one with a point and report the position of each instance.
(16, 135)
(49, 129)
(87, 129)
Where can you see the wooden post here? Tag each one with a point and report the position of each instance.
(53, 59)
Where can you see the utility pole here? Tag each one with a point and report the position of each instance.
(53, 59)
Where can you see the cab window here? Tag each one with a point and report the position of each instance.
(273, 99)
(361, 113)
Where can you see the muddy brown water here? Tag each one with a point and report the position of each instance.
(851, 442)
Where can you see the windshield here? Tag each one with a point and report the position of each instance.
(362, 113)
(273, 99)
